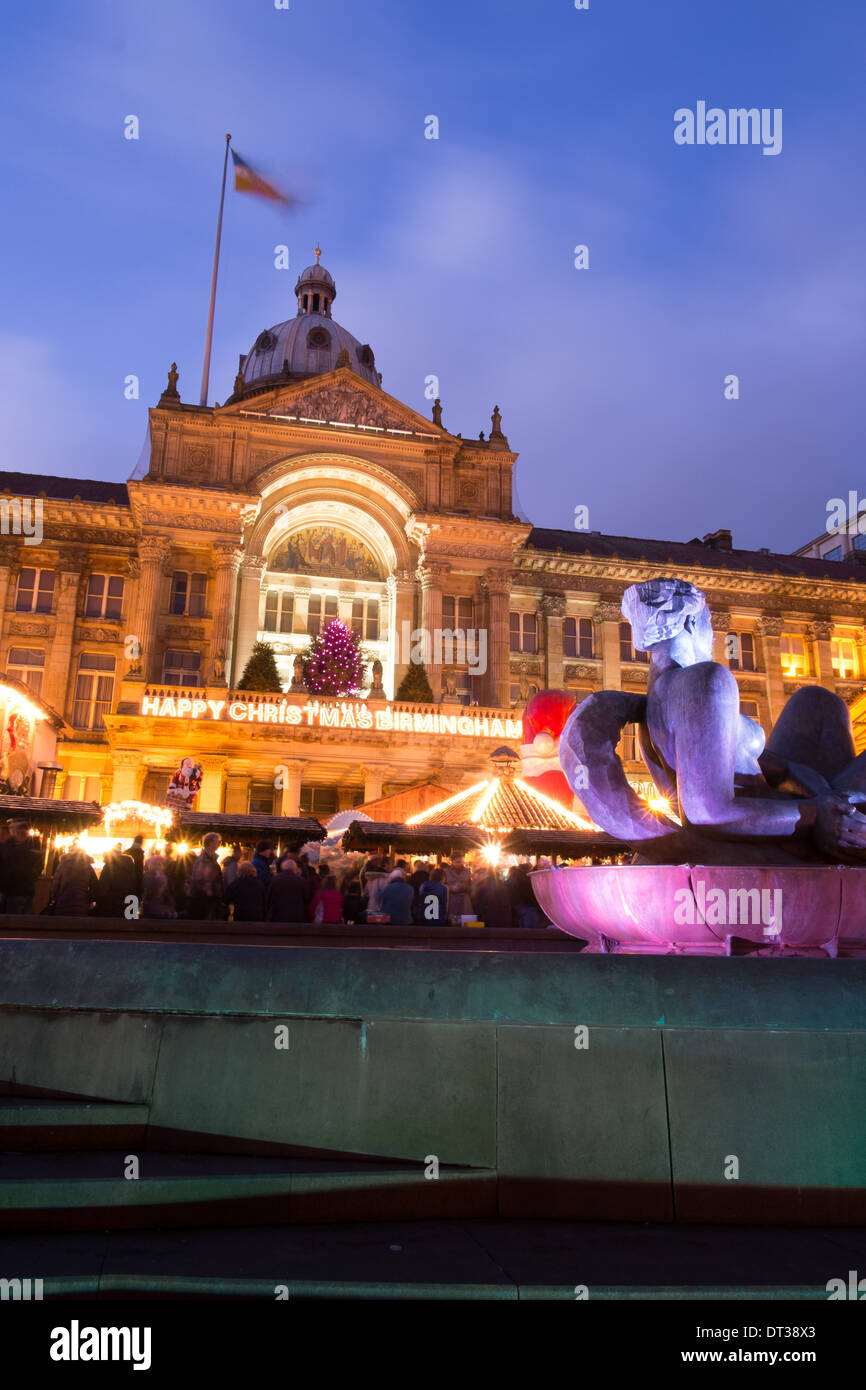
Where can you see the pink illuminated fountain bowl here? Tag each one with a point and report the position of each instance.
(662, 909)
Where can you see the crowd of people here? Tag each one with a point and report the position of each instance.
(266, 886)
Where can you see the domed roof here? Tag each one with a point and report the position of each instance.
(308, 344)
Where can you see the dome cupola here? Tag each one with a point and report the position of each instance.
(307, 345)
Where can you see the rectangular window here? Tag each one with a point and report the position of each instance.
(318, 801)
(94, 690)
(627, 652)
(261, 800)
(456, 612)
(793, 654)
(629, 744)
(523, 633)
(750, 709)
(182, 668)
(104, 596)
(279, 611)
(577, 637)
(834, 553)
(314, 615)
(188, 594)
(859, 542)
(843, 654)
(27, 664)
(365, 618)
(741, 649)
(35, 591)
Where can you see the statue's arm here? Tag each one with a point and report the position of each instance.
(587, 752)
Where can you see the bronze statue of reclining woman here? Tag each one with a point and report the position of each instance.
(796, 800)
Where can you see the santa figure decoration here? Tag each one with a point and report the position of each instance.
(184, 786)
(543, 721)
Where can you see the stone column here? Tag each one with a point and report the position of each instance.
(288, 798)
(60, 679)
(210, 797)
(249, 600)
(374, 779)
(721, 627)
(238, 778)
(130, 770)
(607, 618)
(228, 558)
(553, 608)
(771, 630)
(821, 634)
(5, 576)
(497, 584)
(431, 574)
(153, 551)
(401, 593)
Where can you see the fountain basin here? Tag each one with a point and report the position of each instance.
(699, 909)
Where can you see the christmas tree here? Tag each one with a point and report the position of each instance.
(415, 685)
(260, 672)
(334, 663)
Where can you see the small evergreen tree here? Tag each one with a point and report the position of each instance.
(415, 686)
(260, 672)
(334, 663)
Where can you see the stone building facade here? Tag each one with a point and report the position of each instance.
(312, 493)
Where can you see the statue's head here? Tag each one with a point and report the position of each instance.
(660, 609)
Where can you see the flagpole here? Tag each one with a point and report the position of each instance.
(205, 376)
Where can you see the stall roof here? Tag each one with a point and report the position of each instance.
(369, 835)
(46, 813)
(301, 828)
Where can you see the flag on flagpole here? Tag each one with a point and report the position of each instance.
(247, 180)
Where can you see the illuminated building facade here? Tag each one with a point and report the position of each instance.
(311, 494)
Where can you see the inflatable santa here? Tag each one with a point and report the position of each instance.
(543, 722)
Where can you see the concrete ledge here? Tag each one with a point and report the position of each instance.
(434, 985)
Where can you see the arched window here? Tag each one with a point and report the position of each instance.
(318, 350)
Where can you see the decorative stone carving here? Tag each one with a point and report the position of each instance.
(343, 403)
(606, 612)
(821, 631)
(100, 634)
(196, 460)
(553, 605)
(468, 489)
(580, 673)
(638, 675)
(770, 625)
(721, 619)
(30, 629)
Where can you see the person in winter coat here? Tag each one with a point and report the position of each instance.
(492, 901)
(397, 899)
(287, 896)
(354, 904)
(263, 861)
(157, 899)
(327, 904)
(74, 885)
(20, 866)
(458, 881)
(117, 883)
(205, 887)
(246, 896)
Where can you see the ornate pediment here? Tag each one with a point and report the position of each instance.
(340, 398)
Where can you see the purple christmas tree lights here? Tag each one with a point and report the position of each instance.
(334, 664)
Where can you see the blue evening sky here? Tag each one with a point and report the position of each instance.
(455, 256)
